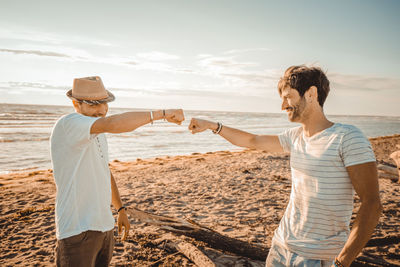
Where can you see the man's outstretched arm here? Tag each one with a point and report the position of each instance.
(129, 121)
(364, 178)
(237, 137)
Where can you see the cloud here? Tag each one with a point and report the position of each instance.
(195, 91)
(36, 85)
(155, 61)
(362, 82)
(158, 90)
(34, 36)
(201, 56)
(157, 56)
(254, 76)
(65, 53)
(241, 51)
(132, 63)
(142, 61)
(220, 63)
(34, 52)
(238, 74)
(25, 88)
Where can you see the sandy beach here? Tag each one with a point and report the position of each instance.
(238, 194)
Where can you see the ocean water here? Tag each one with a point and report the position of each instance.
(25, 132)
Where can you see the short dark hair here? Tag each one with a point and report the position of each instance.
(302, 78)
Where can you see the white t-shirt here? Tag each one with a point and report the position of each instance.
(316, 222)
(82, 175)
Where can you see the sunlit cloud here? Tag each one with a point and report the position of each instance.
(241, 51)
(47, 38)
(132, 62)
(171, 89)
(238, 74)
(142, 61)
(223, 64)
(255, 79)
(34, 52)
(157, 56)
(65, 53)
(362, 82)
(37, 85)
(226, 62)
(201, 56)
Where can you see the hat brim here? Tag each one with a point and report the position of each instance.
(110, 97)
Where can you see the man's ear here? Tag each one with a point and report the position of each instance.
(312, 93)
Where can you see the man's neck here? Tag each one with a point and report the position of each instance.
(315, 123)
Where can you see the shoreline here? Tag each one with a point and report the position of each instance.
(35, 168)
(193, 110)
(240, 194)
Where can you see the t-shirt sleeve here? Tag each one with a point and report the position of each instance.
(77, 128)
(356, 148)
(286, 139)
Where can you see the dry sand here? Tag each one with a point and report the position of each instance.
(239, 194)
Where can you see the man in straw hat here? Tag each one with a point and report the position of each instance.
(85, 185)
(329, 161)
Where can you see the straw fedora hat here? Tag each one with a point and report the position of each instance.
(91, 89)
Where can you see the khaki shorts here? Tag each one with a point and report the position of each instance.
(90, 248)
(281, 257)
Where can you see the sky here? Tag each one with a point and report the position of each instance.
(224, 55)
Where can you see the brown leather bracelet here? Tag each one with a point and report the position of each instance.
(121, 209)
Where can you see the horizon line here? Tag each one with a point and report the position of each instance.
(219, 111)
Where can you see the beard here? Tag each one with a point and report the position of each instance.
(295, 112)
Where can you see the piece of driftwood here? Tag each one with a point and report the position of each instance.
(387, 169)
(389, 176)
(163, 259)
(383, 241)
(202, 233)
(238, 247)
(396, 158)
(370, 261)
(192, 253)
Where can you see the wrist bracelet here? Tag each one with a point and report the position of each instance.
(151, 117)
(121, 209)
(218, 130)
(338, 263)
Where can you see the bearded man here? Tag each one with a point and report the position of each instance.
(329, 161)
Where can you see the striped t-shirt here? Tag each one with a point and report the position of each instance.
(316, 221)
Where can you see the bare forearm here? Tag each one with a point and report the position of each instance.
(129, 121)
(363, 227)
(234, 136)
(115, 197)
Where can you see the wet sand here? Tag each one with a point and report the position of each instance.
(239, 194)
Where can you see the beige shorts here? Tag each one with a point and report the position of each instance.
(90, 248)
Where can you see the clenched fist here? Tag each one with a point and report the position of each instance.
(174, 116)
(199, 125)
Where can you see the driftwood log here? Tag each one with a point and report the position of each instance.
(192, 253)
(202, 233)
(387, 169)
(217, 241)
(384, 175)
(396, 158)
